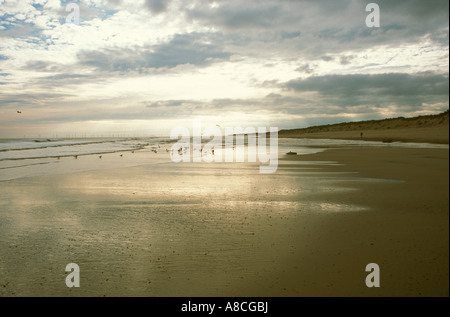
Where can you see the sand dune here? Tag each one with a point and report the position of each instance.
(432, 129)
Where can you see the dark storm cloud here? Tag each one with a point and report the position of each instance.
(319, 28)
(233, 15)
(29, 100)
(45, 67)
(115, 2)
(62, 75)
(370, 93)
(345, 60)
(306, 68)
(386, 84)
(66, 80)
(157, 6)
(182, 49)
(170, 103)
(326, 58)
(417, 10)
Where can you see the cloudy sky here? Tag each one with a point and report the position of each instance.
(144, 67)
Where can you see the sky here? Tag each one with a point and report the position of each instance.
(137, 68)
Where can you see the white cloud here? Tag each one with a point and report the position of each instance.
(132, 52)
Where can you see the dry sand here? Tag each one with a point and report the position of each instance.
(439, 135)
(226, 230)
(430, 129)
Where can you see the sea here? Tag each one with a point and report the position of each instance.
(33, 157)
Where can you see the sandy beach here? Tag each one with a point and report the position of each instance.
(226, 230)
(429, 129)
(250, 149)
(437, 135)
(404, 228)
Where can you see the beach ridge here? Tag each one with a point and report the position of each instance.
(426, 129)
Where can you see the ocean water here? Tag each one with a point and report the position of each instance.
(25, 157)
(33, 157)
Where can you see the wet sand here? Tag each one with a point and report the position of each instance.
(226, 230)
(405, 228)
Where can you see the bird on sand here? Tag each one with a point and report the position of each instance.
(19, 111)
(100, 157)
